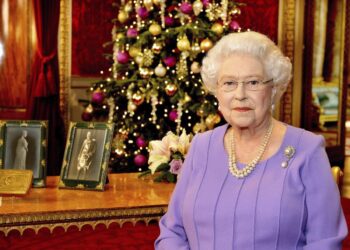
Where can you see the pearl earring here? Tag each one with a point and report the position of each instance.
(274, 90)
(272, 99)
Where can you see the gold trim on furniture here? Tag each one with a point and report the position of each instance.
(126, 199)
(52, 220)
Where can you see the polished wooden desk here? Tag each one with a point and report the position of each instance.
(126, 199)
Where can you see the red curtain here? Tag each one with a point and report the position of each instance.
(260, 16)
(44, 84)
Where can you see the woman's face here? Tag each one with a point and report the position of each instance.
(242, 107)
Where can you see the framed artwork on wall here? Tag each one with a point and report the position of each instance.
(86, 157)
(23, 146)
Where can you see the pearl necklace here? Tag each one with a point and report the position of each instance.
(241, 173)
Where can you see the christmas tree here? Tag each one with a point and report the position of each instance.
(155, 83)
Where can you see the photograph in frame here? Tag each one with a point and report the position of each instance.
(23, 146)
(86, 157)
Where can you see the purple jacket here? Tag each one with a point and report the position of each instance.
(297, 207)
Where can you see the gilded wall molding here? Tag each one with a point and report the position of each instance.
(66, 219)
(64, 48)
(286, 41)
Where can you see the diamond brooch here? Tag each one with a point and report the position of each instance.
(289, 151)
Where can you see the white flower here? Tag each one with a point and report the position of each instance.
(160, 151)
(184, 143)
(171, 141)
(155, 161)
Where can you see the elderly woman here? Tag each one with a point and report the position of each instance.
(255, 183)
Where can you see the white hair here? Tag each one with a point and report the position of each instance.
(276, 66)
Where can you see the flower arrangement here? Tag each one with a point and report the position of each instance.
(166, 156)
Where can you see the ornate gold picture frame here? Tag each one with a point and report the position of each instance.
(86, 157)
(15, 182)
(23, 146)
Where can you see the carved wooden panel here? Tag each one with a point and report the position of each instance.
(17, 43)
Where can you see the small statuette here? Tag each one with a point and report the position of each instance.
(289, 151)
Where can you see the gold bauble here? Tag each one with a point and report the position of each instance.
(128, 7)
(160, 70)
(183, 44)
(217, 118)
(138, 98)
(89, 109)
(124, 134)
(199, 127)
(187, 98)
(200, 112)
(119, 152)
(157, 2)
(134, 51)
(195, 67)
(131, 107)
(122, 16)
(139, 59)
(235, 11)
(157, 47)
(170, 89)
(155, 29)
(120, 36)
(217, 28)
(148, 4)
(195, 50)
(197, 7)
(211, 120)
(206, 44)
(145, 73)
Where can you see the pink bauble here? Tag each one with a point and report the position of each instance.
(142, 12)
(186, 8)
(169, 21)
(123, 57)
(97, 97)
(206, 3)
(141, 142)
(170, 61)
(86, 116)
(132, 33)
(140, 160)
(173, 115)
(234, 25)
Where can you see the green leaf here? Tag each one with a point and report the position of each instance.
(160, 177)
(177, 155)
(144, 173)
(170, 177)
(163, 167)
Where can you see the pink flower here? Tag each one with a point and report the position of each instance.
(175, 166)
(161, 150)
